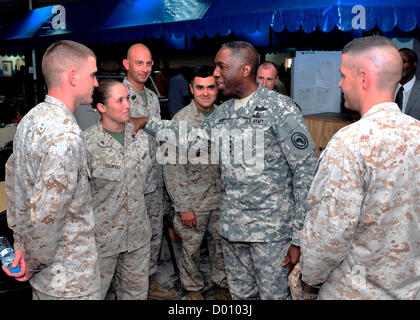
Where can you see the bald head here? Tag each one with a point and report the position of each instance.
(136, 48)
(139, 65)
(63, 56)
(378, 56)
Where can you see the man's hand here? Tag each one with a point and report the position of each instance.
(138, 123)
(188, 218)
(292, 258)
(23, 275)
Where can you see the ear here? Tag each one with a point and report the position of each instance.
(246, 70)
(153, 63)
(364, 79)
(191, 88)
(125, 64)
(100, 107)
(73, 78)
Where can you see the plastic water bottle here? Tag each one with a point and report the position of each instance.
(7, 255)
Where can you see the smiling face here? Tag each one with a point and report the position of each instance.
(138, 64)
(204, 91)
(227, 72)
(116, 108)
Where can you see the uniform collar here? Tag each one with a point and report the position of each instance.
(248, 109)
(131, 88)
(58, 103)
(106, 140)
(386, 106)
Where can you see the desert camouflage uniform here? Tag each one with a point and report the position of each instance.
(122, 226)
(196, 187)
(153, 194)
(361, 236)
(50, 204)
(264, 202)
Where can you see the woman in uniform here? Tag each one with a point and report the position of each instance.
(119, 162)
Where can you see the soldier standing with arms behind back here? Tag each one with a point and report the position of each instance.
(139, 68)
(49, 204)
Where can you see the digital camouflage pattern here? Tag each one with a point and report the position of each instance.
(50, 204)
(155, 210)
(361, 236)
(122, 225)
(264, 202)
(254, 270)
(192, 186)
(137, 107)
(128, 272)
(118, 183)
(154, 180)
(300, 290)
(192, 238)
(196, 187)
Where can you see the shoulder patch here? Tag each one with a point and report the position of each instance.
(296, 136)
(299, 140)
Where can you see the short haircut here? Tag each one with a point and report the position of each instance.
(247, 53)
(361, 45)
(203, 71)
(101, 92)
(267, 64)
(412, 55)
(389, 74)
(62, 56)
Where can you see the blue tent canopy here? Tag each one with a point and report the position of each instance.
(308, 15)
(100, 21)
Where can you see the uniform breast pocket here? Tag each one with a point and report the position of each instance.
(104, 173)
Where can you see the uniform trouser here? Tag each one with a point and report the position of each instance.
(128, 272)
(38, 295)
(155, 210)
(207, 224)
(254, 269)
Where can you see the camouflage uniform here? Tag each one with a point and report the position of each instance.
(264, 202)
(153, 194)
(361, 234)
(50, 204)
(196, 187)
(122, 227)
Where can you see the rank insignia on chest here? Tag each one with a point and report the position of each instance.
(260, 108)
